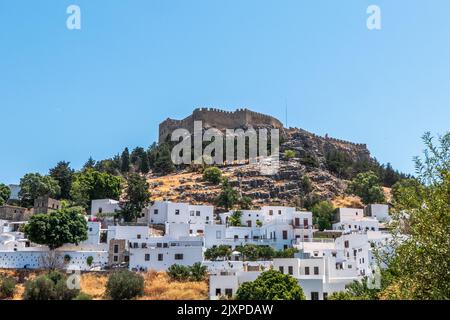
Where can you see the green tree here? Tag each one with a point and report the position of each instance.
(125, 161)
(56, 228)
(235, 219)
(420, 261)
(90, 185)
(178, 272)
(33, 185)
(271, 285)
(212, 175)
(323, 215)
(198, 272)
(90, 164)
(407, 194)
(219, 252)
(228, 197)
(249, 252)
(366, 186)
(64, 175)
(163, 163)
(124, 285)
(137, 197)
(245, 203)
(5, 193)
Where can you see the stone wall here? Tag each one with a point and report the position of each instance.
(220, 119)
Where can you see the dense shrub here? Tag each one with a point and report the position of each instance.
(178, 272)
(124, 285)
(52, 286)
(212, 175)
(7, 287)
(196, 272)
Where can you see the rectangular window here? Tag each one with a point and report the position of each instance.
(138, 236)
(197, 213)
(218, 292)
(116, 248)
(147, 257)
(218, 234)
(270, 212)
(116, 258)
(291, 270)
(314, 296)
(285, 234)
(177, 212)
(192, 213)
(229, 292)
(325, 296)
(307, 271)
(346, 244)
(279, 212)
(281, 269)
(165, 245)
(155, 211)
(160, 257)
(316, 270)
(178, 256)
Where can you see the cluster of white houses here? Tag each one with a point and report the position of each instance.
(178, 233)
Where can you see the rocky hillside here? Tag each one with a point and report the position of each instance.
(320, 168)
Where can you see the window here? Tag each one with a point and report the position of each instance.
(291, 270)
(279, 212)
(155, 211)
(135, 245)
(165, 245)
(192, 213)
(314, 296)
(90, 229)
(346, 244)
(236, 237)
(116, 248)
(270, 212)
(143, 245)
(325, 296)
(218, 292)
(116, 258)
(307, 271)
(207, 218)
(159, 245)
(147, 257)
(281, 269)
(218, 234)
(138, 236)
(178, 256)
(177, 212)
(229, 292)
(100, 210)
(316, 270)
(160, 257)
(197, 213)
(285, 235)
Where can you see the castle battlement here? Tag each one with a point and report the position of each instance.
(220, 119)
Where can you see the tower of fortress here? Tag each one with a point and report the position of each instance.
(220, 119)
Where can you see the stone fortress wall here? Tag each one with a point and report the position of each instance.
(220, 119)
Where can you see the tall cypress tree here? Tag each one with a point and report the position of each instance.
(125, 161)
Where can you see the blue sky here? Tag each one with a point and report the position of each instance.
(68, 95)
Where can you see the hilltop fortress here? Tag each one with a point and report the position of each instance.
(220, 119)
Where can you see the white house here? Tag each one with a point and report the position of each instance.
(104, 206)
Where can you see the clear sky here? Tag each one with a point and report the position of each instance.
(68, 95)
